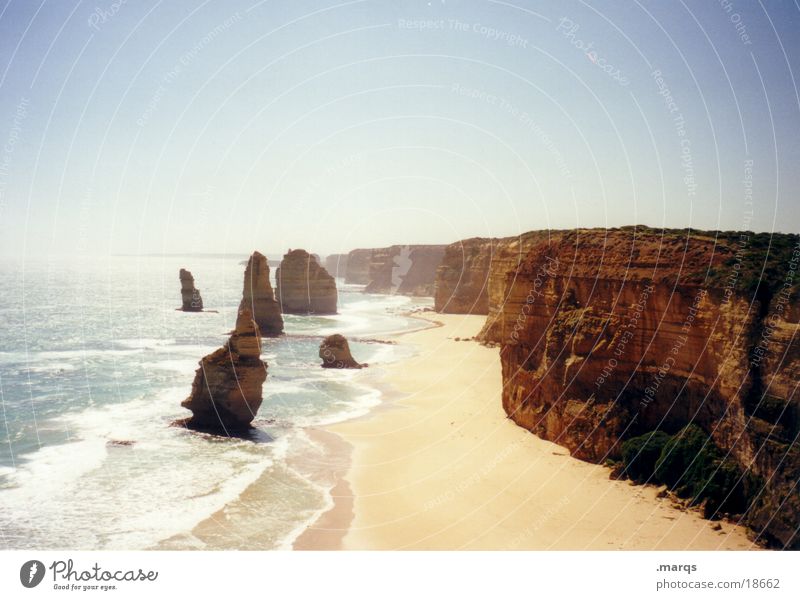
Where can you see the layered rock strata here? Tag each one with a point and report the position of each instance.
(610, 335)
(227, 389)
(358, 266)
(471, 277)
(335, 353)
(336, 264)
(408, 270)
(303, 286)
(259, 299)
(191, 301)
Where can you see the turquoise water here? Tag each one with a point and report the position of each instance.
(95, 353)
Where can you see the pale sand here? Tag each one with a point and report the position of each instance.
(443, 468)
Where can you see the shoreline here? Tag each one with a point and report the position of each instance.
(328, 530)
(442, 467)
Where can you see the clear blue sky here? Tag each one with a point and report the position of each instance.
(142, 126)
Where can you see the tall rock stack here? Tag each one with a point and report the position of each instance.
(191, 301)
(259, 299)
(303, 286)
(227, 388)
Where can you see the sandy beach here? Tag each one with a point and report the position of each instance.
(441, 467)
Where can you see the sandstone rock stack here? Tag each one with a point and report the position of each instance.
(227, 388)
(335, 353)
(303, 286)
(191, 301)
(259, 299)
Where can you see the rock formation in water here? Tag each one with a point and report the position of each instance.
(227, 388)
(336, 264)
(408, 270)
(335, 353)
(191, 301)
(258, 297)
(670, 335)
(303, 287)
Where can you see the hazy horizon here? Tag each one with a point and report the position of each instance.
(149, 128)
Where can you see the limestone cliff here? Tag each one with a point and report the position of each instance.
(358, 265)
(303, 286)
(258, 297)
(191, 301)
(471, 276)
(227, 388)
(408, 270)
(607, 335)
(336, 264)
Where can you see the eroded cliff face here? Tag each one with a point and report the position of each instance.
(303, 286)
(471, 277)
(606, 336)
(259, 299)
(358, 265)
(336, 264)
(409, 270)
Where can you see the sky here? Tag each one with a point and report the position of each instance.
(138, 127)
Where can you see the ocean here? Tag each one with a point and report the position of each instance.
(94, 364)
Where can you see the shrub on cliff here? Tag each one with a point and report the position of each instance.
(641, 453)
(693, 466)
(683, 458)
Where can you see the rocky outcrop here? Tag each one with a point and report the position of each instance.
(258, 297)
(336, 264)
(191, 301)
(335, 353)
(358, 266)
(608, 335)
(227, 388)
(303, 286)
(408, 270)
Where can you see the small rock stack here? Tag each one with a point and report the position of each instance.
(191, 301)
(335, 353)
